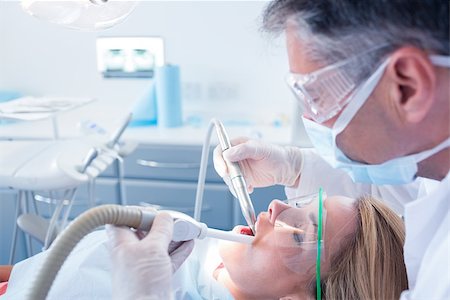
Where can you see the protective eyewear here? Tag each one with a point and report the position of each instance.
(323, 93)
(299, 232)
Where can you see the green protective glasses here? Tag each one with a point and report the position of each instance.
(319, 247)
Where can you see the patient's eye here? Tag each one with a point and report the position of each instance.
(298, 233)
(304, 233)
(298, 237)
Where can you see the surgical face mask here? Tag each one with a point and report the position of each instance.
(399, 170)
(80, 14)
(299, 232)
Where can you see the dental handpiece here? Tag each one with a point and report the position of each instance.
(237, 179)
(186, 228)
(92, 154)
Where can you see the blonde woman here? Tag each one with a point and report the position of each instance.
(362, 253)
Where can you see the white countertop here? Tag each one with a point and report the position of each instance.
(196, 136)
(110, 119)
(185, 135)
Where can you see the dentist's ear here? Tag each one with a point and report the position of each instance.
(413, 83)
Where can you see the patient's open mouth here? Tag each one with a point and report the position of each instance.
(246, 231)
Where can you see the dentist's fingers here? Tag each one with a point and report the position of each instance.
(235, 153)
(179, 251)
(219, 163)
(250, 188)
(161, 232)
(242, 149)
(245, 149)
(119, 235)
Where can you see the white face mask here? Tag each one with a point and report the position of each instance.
(395, 171)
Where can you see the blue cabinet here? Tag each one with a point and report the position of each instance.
(168, 162)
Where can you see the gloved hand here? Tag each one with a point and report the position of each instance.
(142, 269)
(262, 164)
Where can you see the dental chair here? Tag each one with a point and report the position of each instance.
(59, 167)
(51, 171)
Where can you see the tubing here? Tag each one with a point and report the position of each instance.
(66, 242)
(202, 173)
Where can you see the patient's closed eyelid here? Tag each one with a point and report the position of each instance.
(298, 237)
(312, 217)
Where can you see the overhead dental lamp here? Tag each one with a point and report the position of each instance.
(89, 15)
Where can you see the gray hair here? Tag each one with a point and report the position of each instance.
(333, 30)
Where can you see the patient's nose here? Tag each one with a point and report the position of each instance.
(275, 208)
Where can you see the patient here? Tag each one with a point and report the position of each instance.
(362, 255)
(362, 258)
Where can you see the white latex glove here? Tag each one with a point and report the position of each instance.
(262, 164)
(142, 268)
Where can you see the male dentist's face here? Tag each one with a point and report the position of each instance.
(370, 132)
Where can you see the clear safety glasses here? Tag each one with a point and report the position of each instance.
(299, 233)
(323, 93)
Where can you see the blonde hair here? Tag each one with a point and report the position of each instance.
(370, 265)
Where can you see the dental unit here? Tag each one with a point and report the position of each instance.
(185, 227)
(52, 171)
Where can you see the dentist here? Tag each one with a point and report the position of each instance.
(372, 78)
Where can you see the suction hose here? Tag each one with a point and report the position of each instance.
(81, 226)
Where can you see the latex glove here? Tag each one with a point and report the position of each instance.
(142, 269)
(262, 164)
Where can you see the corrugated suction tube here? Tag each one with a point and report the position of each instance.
(184, 228)
(84, 224)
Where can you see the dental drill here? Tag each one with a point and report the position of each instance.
(185, 229)
(237, 179)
